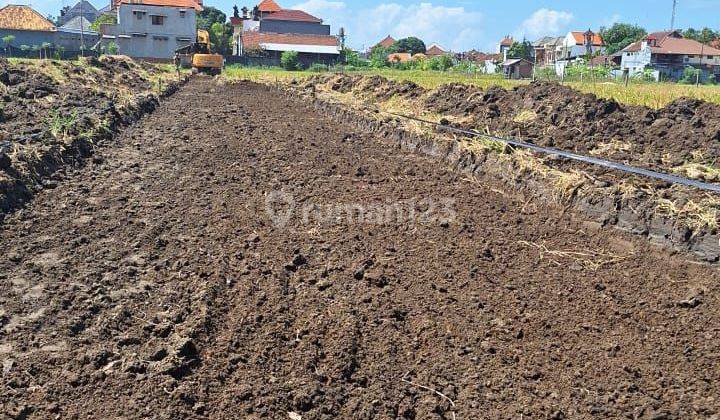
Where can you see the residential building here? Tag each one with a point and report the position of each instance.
(27, 26)
(579, 44)
(152, 29)
(270, 30)
(82, 8)
(31, 29)
(505, 46)
(435, 50)
(517, 68)
(387, 42)
(667, 54)
(547, 50)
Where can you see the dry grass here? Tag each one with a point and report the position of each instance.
(610, 148)
(698, 216)
(652, 95)
(590, 260)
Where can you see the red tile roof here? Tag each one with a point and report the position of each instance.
(269, 6)
(435, 50)
(185, 4)
(507, 41)
(251, 39)
(24, 18)
(293, 15)
(672, 43)
(597, 40)
(387, 42)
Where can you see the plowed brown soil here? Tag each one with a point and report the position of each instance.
(152, 283)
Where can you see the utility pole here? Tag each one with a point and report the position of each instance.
(674, 15)
(82, 29)
(697, 74)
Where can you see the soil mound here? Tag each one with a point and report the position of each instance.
(552, 115)
(52, 112)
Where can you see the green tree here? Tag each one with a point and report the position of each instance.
(104, 19)
(706, 35)
(522, 49)
(24, 47)
(209, 16)
(352, 58)
(410, 45)
(620, 35)
(378, 57)
(7, 42)
(289, 60)
(215, 22)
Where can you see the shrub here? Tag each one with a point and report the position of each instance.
(690, 76)
(290, 60)
(441, 63)
(112, 48)
(318, 68)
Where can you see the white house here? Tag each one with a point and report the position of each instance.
(667, 54)
(152, 29)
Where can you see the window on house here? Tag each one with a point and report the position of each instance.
(157, 20)
(182, 13)
(139, 14)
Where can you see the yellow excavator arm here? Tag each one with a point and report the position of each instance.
(202, 57)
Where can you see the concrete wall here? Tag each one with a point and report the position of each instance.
(138, 37)
(71, 40)
(28, 38)
(291, 27)
(67, 40)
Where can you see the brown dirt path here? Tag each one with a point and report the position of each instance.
(152, 283)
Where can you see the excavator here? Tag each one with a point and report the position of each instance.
(200, 55)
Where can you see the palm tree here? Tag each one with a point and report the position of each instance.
(7, 40)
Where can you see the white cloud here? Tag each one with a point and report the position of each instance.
(544, 22)
(455, 28)
(320, 6)
(452, 27)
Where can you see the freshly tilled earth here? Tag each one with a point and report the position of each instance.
(202, 266)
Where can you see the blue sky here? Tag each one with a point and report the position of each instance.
(462, 25)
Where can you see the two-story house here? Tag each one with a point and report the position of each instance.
(152, 29)
(579, 44)
(267, 31)
(667, 54)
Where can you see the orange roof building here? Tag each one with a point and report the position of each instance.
(24, 18)
(668, 54)
(387, 42)
(183, 4)
(435, 50)
(579, 38)
(269, 6)
(152, 29)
